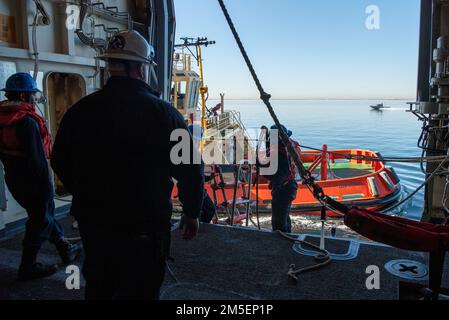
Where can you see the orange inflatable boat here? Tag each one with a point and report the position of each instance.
(353, 177)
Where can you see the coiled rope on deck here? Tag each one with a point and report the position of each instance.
(323, 258)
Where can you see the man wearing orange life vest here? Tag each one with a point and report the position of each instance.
(25, 146)
(283, 185)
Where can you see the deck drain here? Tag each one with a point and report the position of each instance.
(407, 269)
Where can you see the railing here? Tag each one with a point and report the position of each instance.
(227, 120)
(225, 126)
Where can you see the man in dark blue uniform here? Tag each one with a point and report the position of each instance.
(112, 152)
(25, 146)
(283, 185)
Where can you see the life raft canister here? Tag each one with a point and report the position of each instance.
(11, 112)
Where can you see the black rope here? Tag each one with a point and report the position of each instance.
(265, 97)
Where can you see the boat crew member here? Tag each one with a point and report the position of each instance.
(283, 185)
(25, 146)
(208, 209)
(112, 152)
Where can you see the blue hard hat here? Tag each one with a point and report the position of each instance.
(196, 131)
(288, 132)
(21, 82)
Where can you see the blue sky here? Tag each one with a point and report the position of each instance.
(306, 49)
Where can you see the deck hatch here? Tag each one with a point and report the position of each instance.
(407, 269)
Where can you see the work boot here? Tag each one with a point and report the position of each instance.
(30, 269)
(35, 271)
(68, 252)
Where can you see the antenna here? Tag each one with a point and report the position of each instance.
(192, 42)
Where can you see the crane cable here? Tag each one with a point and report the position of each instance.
(308, 180)
(306, 176)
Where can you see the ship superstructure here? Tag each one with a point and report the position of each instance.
(57, 42)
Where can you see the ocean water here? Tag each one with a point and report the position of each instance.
(349, 124)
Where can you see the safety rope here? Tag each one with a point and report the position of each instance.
(265, 97)
(323, 258)
(347, 156)
(379, 158)
(411, 195)
(420, 160)
(306, 176)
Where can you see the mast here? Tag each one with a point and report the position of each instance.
(198, 43)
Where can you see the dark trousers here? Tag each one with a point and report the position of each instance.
(281, 203)
(40, 207)
(208, 210)
(121, 267)
(42, 226)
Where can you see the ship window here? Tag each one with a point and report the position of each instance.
(182, 88)
(191, 95)
(194, 95)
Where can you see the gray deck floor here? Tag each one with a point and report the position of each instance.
(227, 263)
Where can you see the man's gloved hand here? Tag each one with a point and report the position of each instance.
(189, 227)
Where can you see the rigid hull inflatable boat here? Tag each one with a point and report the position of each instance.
(353, 177)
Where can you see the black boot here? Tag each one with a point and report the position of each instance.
(67, 251)
(30, 269)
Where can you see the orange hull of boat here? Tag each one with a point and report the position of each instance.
(383, 190)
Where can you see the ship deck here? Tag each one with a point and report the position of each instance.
(225, 263)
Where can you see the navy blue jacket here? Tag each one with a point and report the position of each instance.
(112, 152)
(28, 177)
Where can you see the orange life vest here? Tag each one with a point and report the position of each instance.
(12, 112)
(282, 149)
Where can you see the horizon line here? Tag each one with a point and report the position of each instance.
(320, 99)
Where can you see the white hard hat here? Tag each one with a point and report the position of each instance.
(129, 46)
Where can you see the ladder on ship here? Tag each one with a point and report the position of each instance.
(242, 181)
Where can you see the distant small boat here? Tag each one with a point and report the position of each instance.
(379, 106)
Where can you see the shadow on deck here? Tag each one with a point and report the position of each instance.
(225, 263)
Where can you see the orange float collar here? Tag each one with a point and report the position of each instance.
(398, 232)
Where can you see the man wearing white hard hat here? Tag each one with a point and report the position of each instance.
(112, 152)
